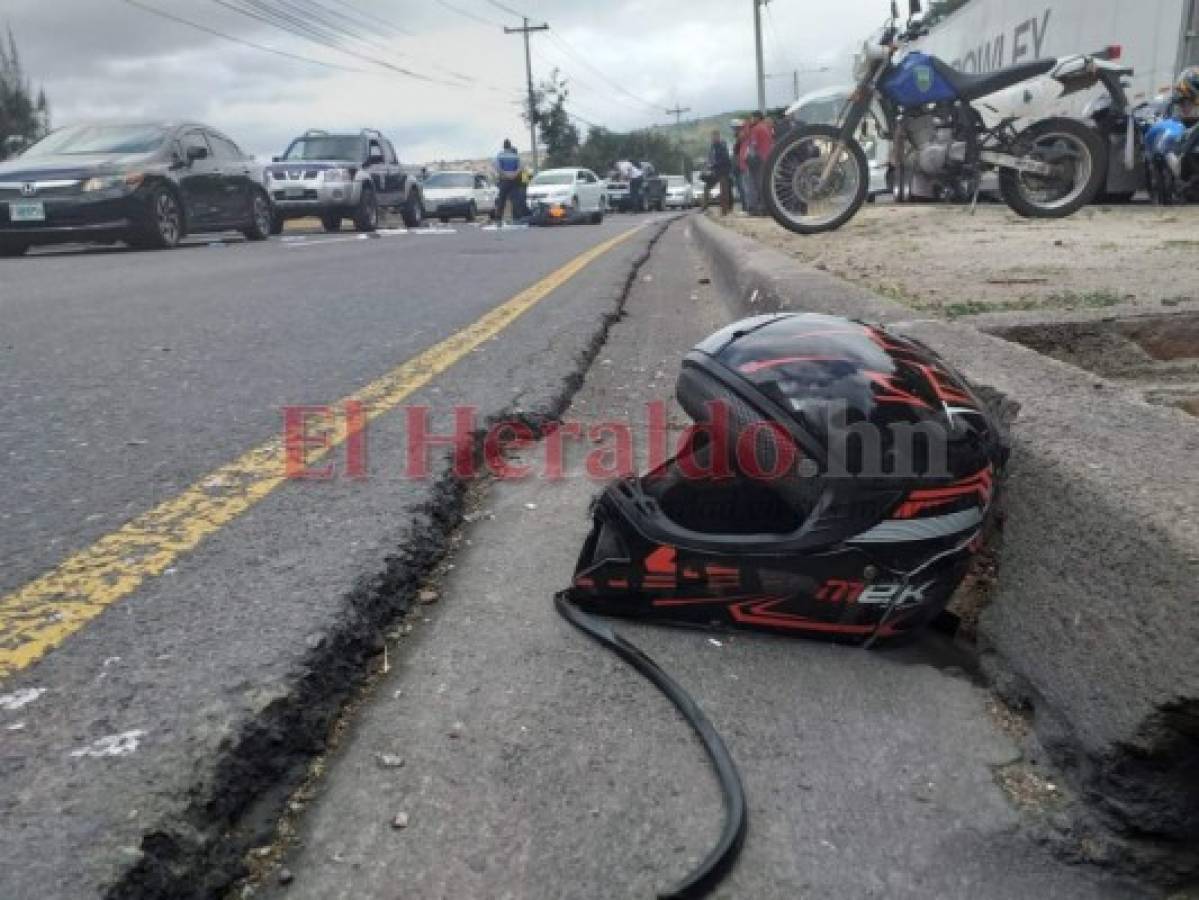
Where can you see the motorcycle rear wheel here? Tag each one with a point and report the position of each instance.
(1077, 148)
(793, 194)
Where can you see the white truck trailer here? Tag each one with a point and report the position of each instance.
(1159, 38)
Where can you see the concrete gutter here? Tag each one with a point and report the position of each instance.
(1092, 622)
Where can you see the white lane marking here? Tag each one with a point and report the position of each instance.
(324, 242)
(112, 745)
(18, 699)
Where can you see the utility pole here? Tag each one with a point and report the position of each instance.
(677, 112)
(525, 30)
(758, 4)
(794, 76)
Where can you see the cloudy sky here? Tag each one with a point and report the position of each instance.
(626, 61)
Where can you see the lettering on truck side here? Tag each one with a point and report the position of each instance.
(1028, 37)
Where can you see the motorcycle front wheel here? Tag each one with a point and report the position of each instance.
(1079, 159)
(797, 193)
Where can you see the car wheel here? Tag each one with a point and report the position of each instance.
(366, 216)
(262, 219)
(331, 222)
(444, 220)
(413, 211)
(277, 222)
(472, 212)
(13, 249)
(165, 228)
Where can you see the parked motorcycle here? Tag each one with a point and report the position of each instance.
(818, 177)
(1170, 150)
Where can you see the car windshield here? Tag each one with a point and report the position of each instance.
(325, 147)
(450, 180)
(676, 181)
(100, 139)
(555, 178)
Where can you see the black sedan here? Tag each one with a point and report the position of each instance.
(147, 185)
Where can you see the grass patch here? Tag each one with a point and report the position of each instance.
(1060, 300)
(1088, 299)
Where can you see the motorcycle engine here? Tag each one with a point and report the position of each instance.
(933, 146)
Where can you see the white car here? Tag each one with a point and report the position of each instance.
(679, 194)
(451, 194)
(576, 191)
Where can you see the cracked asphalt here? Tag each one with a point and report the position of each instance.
(536, 765)
(144, 753)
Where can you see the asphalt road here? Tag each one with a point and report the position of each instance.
(177, 622)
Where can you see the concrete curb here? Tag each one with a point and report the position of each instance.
(1092, 622)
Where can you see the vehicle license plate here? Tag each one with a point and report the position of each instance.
(27, 212)
(295, 193)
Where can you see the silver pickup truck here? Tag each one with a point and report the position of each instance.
(342, 176)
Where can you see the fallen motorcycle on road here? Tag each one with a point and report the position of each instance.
(818, 177)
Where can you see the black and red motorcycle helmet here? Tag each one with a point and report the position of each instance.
(837, 483)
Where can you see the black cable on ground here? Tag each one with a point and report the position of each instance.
(721, 857)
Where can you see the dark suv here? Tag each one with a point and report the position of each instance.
(146, 184)
(342, 176)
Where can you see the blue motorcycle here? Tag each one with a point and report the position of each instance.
(1171, 153)
(818, 177)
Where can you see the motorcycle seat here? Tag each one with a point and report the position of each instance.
(973, 87)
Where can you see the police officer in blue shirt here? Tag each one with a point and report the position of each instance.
(507, 170)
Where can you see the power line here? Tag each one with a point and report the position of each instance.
(508, 9)
(371, 16)
(470, 15)
(333, 43)
(236, 40)
(578, 57)
(346, 26)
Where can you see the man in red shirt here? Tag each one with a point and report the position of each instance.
(759, 143)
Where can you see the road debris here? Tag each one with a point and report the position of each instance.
(400, 821)
(18, 699)
(391, 761)
(111, 745)
(427, 597)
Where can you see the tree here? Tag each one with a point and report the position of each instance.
(24, 118)
(604, 147)
(938, 10)
(558, 134)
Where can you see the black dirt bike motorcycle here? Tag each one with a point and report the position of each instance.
(818, 177)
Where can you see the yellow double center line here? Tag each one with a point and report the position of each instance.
(43, 613)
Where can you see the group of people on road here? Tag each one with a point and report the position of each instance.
(738, 174)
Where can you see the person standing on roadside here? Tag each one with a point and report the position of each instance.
(631, 174)
(507, 172)
(750, 169)
(720, 164)
(761, 142)
(737, 173)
